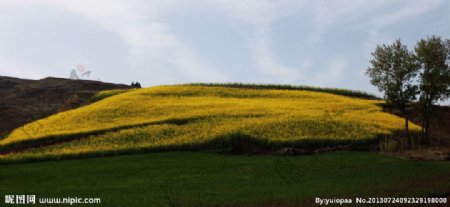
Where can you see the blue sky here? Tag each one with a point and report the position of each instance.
(321, 43)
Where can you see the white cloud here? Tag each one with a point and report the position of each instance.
(259, 15)
(141, 26)
(335, 13)
(267, 62)
(332, 75)
(329, 12)
(14, 69)
(406, 11)
(377, 14)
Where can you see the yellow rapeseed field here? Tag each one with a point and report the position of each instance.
(176, 116)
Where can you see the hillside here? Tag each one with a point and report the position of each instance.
(23, 101)
(202, 117)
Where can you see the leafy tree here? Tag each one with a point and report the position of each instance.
(135, 85)
(433, 54)
(393, 69)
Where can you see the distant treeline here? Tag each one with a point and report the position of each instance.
(337, 91)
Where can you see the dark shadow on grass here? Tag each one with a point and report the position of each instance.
(235, 143)
(4, 135)
(55, 139)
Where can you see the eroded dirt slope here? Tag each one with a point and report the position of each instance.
(23, 101)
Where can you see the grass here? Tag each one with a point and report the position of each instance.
(193, 117)
(209, 179)
(337, 91)
(108, 93)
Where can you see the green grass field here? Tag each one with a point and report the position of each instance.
(209, 179)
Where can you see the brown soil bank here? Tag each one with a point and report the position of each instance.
(23, 101)
(440, 125)
(437, 146)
